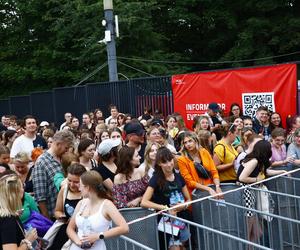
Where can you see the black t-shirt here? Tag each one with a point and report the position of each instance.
(39, 141)
(105, 172)
(10, 232)
(162, 195)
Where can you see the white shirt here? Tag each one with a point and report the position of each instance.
(22, 144)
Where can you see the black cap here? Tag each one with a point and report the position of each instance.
(157, 122)
(214, 107)
(134, 128)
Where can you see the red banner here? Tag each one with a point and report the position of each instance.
(272, 86)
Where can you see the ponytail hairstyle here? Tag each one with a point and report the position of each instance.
(94, 181)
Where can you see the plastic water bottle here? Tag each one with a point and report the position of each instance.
(179, 197)
(182, 200)
(29, 229)
(69, 209)
(87, 227)
(173, 199)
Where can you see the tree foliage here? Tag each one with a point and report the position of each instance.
(53, 43)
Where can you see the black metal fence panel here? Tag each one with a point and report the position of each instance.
(99, 96)
(20, 105)
(42, 105)
(71, 99)
(5, 107)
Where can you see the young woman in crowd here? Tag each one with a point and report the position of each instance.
(127, 118)
(91, 220)
(235, 112)
(248, 123)
(86, 151)
(74, 124)
(244, 144)
(4, 155)
(97, 114)
(293, 125)
(275, 121)
(294, 148)
(206, 140)
(108, 156)
(67, 199)
(279, 155)
(181, 129)
(103, 135)
(21, 164)
(116, 133)
(120, 121)
(130, 182)
(238, 122)
(224, 155)
(164, 184)
(197, 166)
(255, 167)
(149, 161)
(160, 136)
(202, 123)
(98, 132)
(171, 124)
(47, 133)
(12, 234)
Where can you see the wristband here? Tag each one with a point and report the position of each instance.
(27, 243)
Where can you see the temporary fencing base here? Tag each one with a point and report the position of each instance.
(223, 224)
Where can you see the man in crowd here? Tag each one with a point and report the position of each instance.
(29, 140)
(112, 123)
(87, 123)
(135, 134)
(113, 113)
(68, 117)
(46, 166)
(215, 119)
(5, 122)
(261, 122)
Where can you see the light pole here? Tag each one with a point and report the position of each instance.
(110, 35)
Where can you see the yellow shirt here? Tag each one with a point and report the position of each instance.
(226, 157)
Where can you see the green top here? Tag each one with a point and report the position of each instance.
(236, 142)
(58, 179)
(29, 205)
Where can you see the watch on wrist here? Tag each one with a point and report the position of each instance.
(101, 236)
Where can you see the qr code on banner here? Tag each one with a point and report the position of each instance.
(252, 101)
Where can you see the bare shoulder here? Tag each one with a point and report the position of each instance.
(252, 163)
(118, 179)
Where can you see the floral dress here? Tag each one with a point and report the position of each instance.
(128, 191)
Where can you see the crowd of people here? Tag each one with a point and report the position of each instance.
(80, 174)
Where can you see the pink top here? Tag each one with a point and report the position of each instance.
(126, 192)
(278, 154)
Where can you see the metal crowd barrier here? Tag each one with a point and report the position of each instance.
(223, 224)
(142, 235)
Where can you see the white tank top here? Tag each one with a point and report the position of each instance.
(95, 223)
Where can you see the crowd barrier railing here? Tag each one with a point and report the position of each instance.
(223, 223)
(144, 233)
